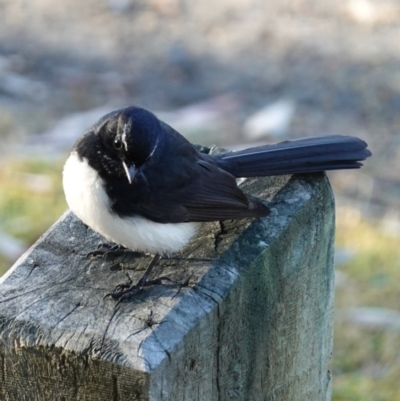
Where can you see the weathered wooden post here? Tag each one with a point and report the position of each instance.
(255, 322)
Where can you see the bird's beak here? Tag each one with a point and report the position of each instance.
(130, 172)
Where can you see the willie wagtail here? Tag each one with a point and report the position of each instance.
(139, 183)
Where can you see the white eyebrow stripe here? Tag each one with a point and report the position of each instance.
(154, 149)
(123, 138)
(127, 172)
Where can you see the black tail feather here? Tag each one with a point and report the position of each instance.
(334, 152)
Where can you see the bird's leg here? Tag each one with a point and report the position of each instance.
(143, 280)
(124, 291)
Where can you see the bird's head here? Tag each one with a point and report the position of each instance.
(121, 142)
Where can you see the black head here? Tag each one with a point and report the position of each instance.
(121, 142)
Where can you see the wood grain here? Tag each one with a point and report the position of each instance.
(255, 322)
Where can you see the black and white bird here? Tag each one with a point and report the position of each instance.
(139, 183)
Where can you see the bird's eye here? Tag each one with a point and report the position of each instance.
(117, 143)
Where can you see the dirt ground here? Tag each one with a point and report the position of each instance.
(338, 61)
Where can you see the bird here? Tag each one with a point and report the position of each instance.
(143, 186)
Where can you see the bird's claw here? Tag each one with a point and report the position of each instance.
(125, 291)
(105, 250)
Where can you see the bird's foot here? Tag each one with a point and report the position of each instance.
(127, 290)
(104, 250)
(108, 251)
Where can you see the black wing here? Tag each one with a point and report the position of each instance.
(209, 194)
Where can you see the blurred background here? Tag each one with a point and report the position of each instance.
(230, 73)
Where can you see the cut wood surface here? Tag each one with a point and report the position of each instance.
(254, 322)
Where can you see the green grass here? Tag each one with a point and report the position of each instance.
(31, 199)
(365, 362)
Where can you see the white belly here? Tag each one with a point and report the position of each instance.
(87, 199)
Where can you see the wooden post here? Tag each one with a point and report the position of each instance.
(254, 324)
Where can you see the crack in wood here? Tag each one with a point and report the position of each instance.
(116, 396)
(68, 314)
(218, 237)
